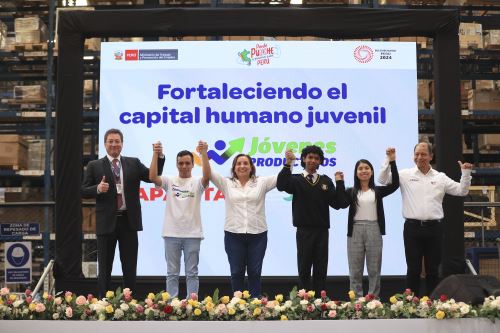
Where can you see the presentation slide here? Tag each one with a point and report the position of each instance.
(353, 99)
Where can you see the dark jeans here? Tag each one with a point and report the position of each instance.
(128, 244)
(312, 251)
(422, 242)
(245, 252)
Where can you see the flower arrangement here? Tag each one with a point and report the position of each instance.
(299, 305)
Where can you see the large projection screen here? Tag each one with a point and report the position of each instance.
(353, 99)
(331, 22)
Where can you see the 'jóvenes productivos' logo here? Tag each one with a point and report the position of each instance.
(265, 153)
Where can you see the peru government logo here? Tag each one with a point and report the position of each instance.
(259, 55)
(363, 54)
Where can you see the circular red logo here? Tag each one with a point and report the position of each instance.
(363, 54)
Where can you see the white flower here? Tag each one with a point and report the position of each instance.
(17, 303)
(55, 316)
(235, 300)
(124, 307)
(118, 314)
(318, 301)
(288, 304)
(175, 302)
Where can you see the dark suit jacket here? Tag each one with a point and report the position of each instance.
(133, 172)
(380, 192)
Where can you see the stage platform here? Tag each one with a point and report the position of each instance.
(373, 326)
(337, 287)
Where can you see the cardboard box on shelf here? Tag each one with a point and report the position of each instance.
(22, 24)
(488, 141)
(471, 35)
(492, 39)
(484, 99)
(34, 92)
(31, 37)
(13, 151)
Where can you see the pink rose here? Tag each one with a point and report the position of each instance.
(194, 296)
(9, 302)
(127, 292)
(149, 302)
(310, 308)
(415, 300)
(40, 307)
(69, 312)
(323, 294)
(139, 308)
(58, 301)
(358, 307)
(183, 303)
(369, 297)
(4, 291)
(332, 314)
(263, 301)
(50, 297)
(127, 298)
(81, 300)
(323, 307)
(68, 294)
(407, 291)
(302, 292)
(238, 294)
(28, 292)
(429, 302)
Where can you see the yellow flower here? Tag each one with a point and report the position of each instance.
(109, 309)
(224, 300)
(45, 295)
(209, 306)
(246, 294)
(151, 296)
(242, 302)
(32, 306)
(231, 311)
(311, 293)
(279, 298)
(257, 312)
(165, 296)
(208, 299)
(256, 302)
(424, 299)
(134, 301)
(440, 314)
(352, 295)
(197, 312)
(94, 300)
(393, 300)
(12, 297)
(109, 294)
(283, 317)
(193, 303)
(68, 298)
(1, 302)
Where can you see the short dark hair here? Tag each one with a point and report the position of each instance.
(429, 146)
(113, 131)
(185, 153)
(311, 150)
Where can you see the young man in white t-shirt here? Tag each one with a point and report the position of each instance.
(182, 230)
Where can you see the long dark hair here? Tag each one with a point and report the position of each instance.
(252, 171)
(357, 185)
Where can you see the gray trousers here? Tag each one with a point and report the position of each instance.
(366, 242)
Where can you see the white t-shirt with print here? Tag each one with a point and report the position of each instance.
(182, 213)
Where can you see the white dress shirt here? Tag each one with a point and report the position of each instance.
(245, 205)
(423, 193)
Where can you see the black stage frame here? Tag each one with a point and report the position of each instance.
(338, 23)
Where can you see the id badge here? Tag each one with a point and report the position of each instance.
(119, 188)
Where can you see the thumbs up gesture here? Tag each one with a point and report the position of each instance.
(103, 186)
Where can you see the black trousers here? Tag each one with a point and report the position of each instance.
(422, 241)
(312, 252)
(128, 245)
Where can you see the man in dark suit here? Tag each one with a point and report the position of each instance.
(114, 181)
